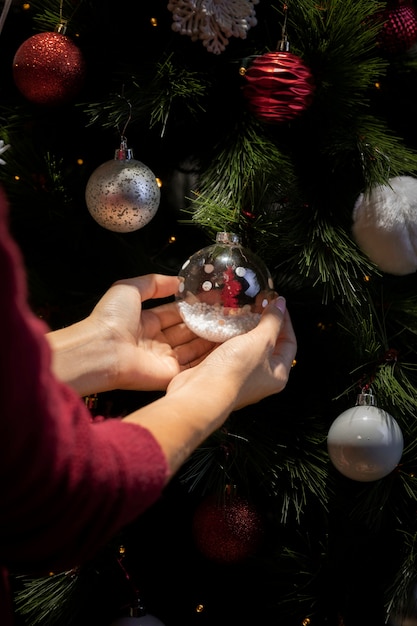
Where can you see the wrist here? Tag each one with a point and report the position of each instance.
(207, 391)
(184, 417)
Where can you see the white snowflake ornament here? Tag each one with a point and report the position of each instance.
(213, 21)
(3, 148)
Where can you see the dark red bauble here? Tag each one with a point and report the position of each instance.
(278, 87)
(227, 532)
(399, 29)
(49, 69)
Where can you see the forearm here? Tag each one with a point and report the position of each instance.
(83, 358)
(180, 421)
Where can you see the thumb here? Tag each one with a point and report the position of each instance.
(273, 315)
(281, 304)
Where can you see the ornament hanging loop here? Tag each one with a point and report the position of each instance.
(283, 44)
(62, 25)
(124, 153)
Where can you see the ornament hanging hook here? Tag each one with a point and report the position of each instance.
(63, 22)
(129, 117)
(62, 25)
(283, 43)
(124, 152)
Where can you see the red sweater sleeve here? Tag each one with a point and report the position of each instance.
(67, 484)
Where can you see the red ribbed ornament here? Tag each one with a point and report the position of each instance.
(227, 532)
(49, 69)
(278, 87)
(399, 29)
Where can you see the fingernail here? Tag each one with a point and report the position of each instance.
(281, 304)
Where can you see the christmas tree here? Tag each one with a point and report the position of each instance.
(290, 125)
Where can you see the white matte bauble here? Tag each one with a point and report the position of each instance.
(385, 225)
(365, 443)
(223, 289)
(144, 620)
(122, 195)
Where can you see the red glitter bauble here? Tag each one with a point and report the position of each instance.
(399, 29)
(227, 532)
(48, 69)
(278, 87)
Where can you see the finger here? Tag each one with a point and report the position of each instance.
(166, 318)
(276, 320)
(151, 286)
(168, 315)
(286, 345)
(193, 352)
(272, 318)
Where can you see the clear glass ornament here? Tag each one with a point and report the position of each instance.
(223, 290)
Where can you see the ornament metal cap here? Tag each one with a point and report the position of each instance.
(61, 28)
(123, 153)
(366, 398)
(283, 45)
(225, 237)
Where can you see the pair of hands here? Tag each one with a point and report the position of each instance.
(152, 349)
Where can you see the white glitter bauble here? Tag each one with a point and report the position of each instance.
(122, 195)
(365, 443)
(223, 290)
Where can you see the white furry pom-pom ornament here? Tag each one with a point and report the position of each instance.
(385, 225)
(123, 194)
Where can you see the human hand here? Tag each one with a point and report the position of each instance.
(154, 344)
(251, 366)
(122, 346)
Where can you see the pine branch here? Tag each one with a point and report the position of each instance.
(45, 601)
(242, 175)
(151, 102)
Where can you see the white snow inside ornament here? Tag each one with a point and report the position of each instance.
(223, 290)
(385, 225)
(122, 194)
(213, 21)
(365, 443)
